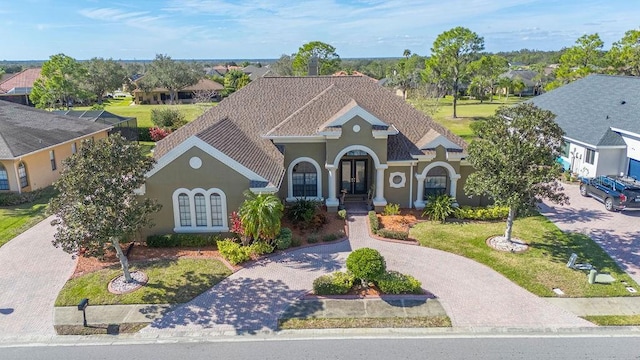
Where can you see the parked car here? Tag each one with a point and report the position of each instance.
(616, 193)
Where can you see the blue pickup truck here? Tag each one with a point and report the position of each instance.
(616, 193)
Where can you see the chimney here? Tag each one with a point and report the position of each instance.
(313, 66)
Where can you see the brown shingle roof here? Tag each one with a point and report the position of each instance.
(23, 79)
(300, 106)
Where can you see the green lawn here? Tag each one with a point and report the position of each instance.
(614, 320)
(539, 269)
(16, 219)
(124, 107)
(170, 282)
(468, 112)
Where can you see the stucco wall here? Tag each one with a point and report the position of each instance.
(315, 151)
(400, 195)
(363, 137)
(38, 164)
(179, 174)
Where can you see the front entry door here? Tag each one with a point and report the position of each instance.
(354, 176)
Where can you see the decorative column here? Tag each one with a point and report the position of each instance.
(453, 185)
(332, 200)
(379, 199)
(419, 203)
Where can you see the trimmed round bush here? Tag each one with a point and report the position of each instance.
(394, 282)
(337, 283)
(283, 241)
(366, 264)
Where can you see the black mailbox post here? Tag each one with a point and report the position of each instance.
(82, 306)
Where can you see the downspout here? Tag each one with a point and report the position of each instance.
(411, 186)
(15, 168)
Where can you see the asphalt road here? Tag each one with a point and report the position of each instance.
(480, 348)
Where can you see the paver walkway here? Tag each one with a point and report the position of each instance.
(618, 233)
(32, 272)
(472, 294)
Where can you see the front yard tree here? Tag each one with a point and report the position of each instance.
(328, 59)
(514, 158)
(97, 208)
(103, 76)
(60, 83)
(171, 75)
(451, 54)
(261, 215)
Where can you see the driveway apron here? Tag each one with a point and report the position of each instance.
(472, 294)
(33, 272)
(618, 233)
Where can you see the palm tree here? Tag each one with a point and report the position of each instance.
(260, 215)
(406, 53)
(518, 86)
(505, 83)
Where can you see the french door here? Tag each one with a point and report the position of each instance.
(353, 176)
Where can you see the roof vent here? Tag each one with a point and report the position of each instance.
(622, 102)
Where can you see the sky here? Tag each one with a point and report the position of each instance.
(266, 29)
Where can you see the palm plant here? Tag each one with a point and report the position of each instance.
(261, 215)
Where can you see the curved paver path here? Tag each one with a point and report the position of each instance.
(472, 294)
(32, 272)
(618, 233)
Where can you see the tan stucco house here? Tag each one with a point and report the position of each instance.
(33, 144)
(184, 96)
(310, 137)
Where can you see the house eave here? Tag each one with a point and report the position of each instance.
(295, 139)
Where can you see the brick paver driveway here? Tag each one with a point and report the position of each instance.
(32, 272)
(472, 294)
(618, 233)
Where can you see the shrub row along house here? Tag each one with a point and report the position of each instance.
(303, 137)
(34, 142)
(600, 116)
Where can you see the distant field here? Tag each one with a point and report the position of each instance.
(468, 112)
(124, 107)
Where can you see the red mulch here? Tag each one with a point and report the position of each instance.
(141, 252)
(402, 222)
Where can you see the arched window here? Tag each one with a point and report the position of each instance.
(201, 209)
(207, 207)
(4, 178)
(435, 184)
(216, 210)
(184, 209)
(305, 180)
(22, 175)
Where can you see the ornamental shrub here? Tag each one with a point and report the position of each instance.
(283, 241)
(366, 264)
(373, 222)
(330, 237)
(168, 118)
(342, 214)
(438, 208)
(337, 283)
(482, 213)
(391, 209)
(233, 252)
(158, 134)
(259, 248)
(175, 240)
(301, 212)
(393, 282)
(393, 234)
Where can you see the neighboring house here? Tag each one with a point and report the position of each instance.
(125, 126)
(600, 115)
(255, 72)
(17, 87)
(531, 85)
(33, 144)
(314, 137)
(184, 96)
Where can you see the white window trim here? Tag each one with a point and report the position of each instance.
(401, 184)
(290, 197)
(207, 195)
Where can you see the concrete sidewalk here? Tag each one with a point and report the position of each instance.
(394, 306)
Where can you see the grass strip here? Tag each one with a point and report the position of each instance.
(614, 320)
(344, 323)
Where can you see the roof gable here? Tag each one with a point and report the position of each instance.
(587, 108)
